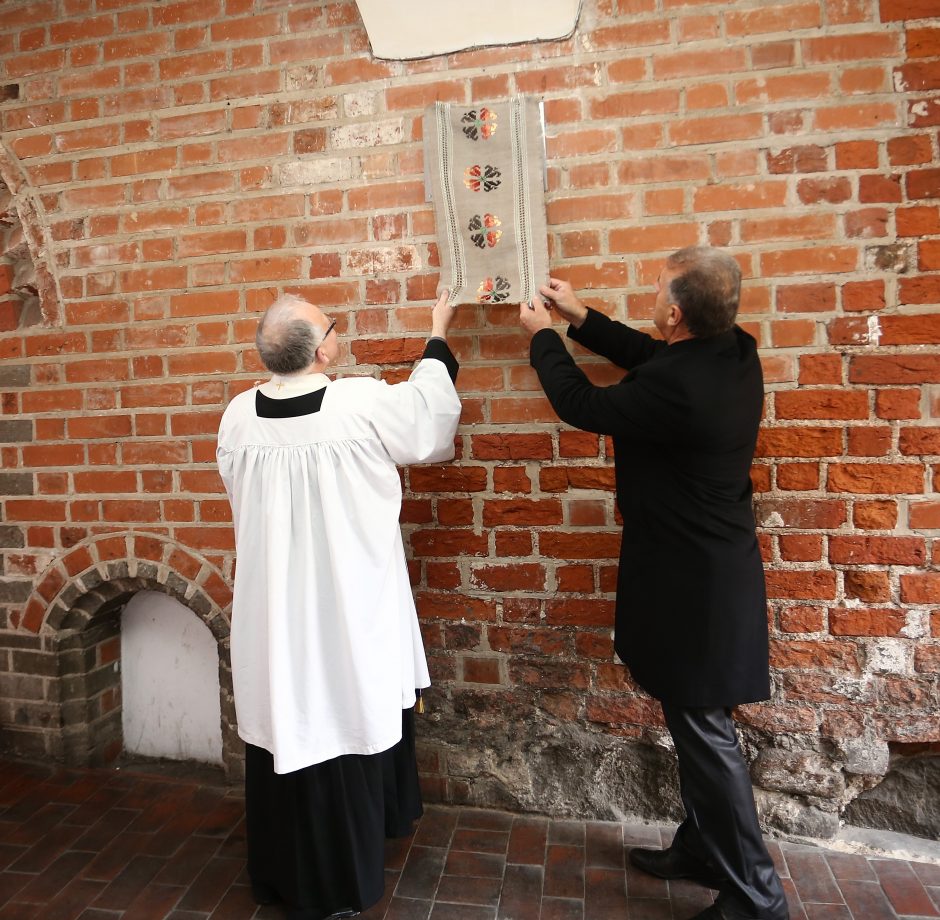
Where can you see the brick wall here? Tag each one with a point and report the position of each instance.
(175, 165)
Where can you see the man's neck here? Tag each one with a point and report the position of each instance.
(284, 386)
(680, 333)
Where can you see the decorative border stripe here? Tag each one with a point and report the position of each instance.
(521, 199)
(452, 231)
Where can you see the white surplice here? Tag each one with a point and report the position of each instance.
(326, 650)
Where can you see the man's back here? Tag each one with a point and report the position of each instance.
(326, 650)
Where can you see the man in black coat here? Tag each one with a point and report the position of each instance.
(691, 621)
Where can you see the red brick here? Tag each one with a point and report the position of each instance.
(924, 515)
(875, 515)
(511, 446)
(716, 130)
(827, 259)
(815, 654)
(868, 586)
(479, 670)
(501, 578)
(559, 545)
(799, 442)
(802, 514)
(900, 10)
(877, 550)
(822, 404)
(923, 183)
(802, 619)
(919, 441)
(866, 622)
(454, 606)
(780, 17)
(875, 478)
(920, 589)
(800, 547)
(894, 369)
(833, 190)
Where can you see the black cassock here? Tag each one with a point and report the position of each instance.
(316, 836)
(691, 620)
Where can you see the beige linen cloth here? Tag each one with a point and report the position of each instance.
(484, 171)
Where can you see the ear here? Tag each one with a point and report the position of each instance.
(674, 316)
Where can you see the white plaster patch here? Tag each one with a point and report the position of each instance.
(919, 108)
(774, 519)
(900, 84)
(379, 134)
(889, 656)
(359, 104)
(315, 172)
(874, 330)
(916, 625)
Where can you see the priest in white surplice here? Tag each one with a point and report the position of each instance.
(326, 651)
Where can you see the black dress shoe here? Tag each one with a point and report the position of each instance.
(674, 863)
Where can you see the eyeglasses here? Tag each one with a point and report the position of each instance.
(329, 329)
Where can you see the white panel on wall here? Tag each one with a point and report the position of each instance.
(422, 28)
(170, 681)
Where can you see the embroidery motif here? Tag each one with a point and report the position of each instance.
(482, 230)
(479, 125)
(493, 291)
(478, 177)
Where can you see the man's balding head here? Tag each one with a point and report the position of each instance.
(289, 334)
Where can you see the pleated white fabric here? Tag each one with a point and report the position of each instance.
(326, 650)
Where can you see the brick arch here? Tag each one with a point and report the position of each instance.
(76, 604)
(25, 242)
(105, 571)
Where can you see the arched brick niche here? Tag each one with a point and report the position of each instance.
(29, 291)
(65, 661)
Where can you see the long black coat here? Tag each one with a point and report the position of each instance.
(691, 619)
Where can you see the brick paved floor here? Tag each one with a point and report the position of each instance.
(125, 845)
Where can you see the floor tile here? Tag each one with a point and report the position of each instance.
(527, 841)
(480, 840)
(564, 872)
(521, 895)
(605, 893)
(813, 878)
(903, 888)
(603, 845)
(867, 901)
(422, 873)
(562, 909)
(481, 865)
(460, 889)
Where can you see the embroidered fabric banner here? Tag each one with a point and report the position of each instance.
(484, 169)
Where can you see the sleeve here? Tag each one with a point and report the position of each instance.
(614, 341)
(223, 457)
(417, 419)
(643, 407)
(438, 349)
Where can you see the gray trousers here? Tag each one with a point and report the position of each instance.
(721, 827)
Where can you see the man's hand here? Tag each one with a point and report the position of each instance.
(441, 315)
(535, 316)
(565, 300)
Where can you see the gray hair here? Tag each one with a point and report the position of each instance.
(287, 342)
(708, 291)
